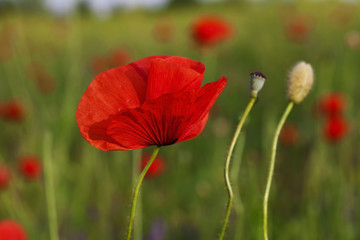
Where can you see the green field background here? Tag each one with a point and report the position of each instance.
(316, 189)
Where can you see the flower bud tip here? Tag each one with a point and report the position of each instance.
(300, 81)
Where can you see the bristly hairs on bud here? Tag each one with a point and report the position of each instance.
(300, 81)
(257, 80)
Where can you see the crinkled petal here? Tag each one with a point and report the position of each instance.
(168, 119)
(111, 92)
(205, 99)
(172, 75)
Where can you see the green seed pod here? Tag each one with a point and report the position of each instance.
(257, 80)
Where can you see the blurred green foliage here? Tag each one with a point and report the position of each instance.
(316, 187)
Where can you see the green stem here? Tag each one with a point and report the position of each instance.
(272, 166)
(137, 190)
(136, 166)
(8, 205)
(235, 172)
(227, 164)
(49, 187)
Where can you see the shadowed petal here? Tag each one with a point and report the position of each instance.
(205, 99)
(168, 119)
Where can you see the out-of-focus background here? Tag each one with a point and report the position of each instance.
(51, 50)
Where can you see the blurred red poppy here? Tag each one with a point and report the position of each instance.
(6, 50)
(298, 28)
(335, 129)
(289, 134)
(164, 30)
(332, 104)
(30, 167)
(118, 57)
(12, 111)
(156, 168)
(210, 30)
(8, 36)
(153, 101)
(9, 33)
(43, 80)
(11, 230)
(99, 64)
(5, 176)
(342, 14)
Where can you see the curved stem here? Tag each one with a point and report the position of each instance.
(137, 190)
(272, 166)
(227, 164)
(136, 167)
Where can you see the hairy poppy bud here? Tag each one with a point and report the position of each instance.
(300, 81)
(257, 80)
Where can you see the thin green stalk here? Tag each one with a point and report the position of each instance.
(137, 190)
(136, 167)
(227, 164)
(8, 205)
(272, 166)
(49, 187)
(235, 172)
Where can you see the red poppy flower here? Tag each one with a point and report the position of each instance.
(30, 167)
(11, 230)
(156, 168)
(332, 104)
(335, 128)
(12, 111)
(210, 30)
(298, 29)
(289, 134)
(5, 176)
(153, 101)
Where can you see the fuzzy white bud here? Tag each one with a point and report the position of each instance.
(300, 81)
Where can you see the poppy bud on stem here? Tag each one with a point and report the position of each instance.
(257, 80)
(300, 82)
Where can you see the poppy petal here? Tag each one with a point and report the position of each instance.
(110, 92)
(206, 98)
(167, 119)
(172, 75)
(195, 129)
